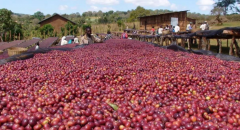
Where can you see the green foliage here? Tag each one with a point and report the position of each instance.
(71, 29)
(138, 12)
(62, 31)
(47, 29)
(5, 20)
(227, 5)
(39, 15)
(85, 26)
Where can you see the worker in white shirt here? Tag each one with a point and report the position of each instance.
(76, 40)
(160, 30)
(64, 41)
(203, 26)
(37, 46)
(177, 28)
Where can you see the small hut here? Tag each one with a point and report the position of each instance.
(57, 21)
(172, 18)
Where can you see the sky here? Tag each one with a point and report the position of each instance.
(73, 6)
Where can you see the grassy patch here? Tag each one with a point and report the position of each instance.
(227, 24)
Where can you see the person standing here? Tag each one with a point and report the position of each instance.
(160, 30)
(152, 30)
(76, 40)
(189, 27)
(37, 46)
(88, 38)
(203, 26)
(177, 28)
(206, 25)
(108, 36)
(124, 35)
(167, 27)
(171, 29)
(64, 41)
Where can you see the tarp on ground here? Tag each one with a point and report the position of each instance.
(30, 54)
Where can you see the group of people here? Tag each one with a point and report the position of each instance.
(191, 26)
(88, 38)
(64, 41)
(159, 31)
(176, 29)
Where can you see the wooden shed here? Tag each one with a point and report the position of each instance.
(57, 21)
(172, 18)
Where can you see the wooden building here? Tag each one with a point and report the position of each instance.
(172, 18)
(57, 21)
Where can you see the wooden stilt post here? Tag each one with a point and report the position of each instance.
(19, 36)
(161, 41)
(231, 46)
(183, 42)
(227, 42)
(190, 40)
(237, 51)
(204, 43)
(219, 42)
(200, 43)
(208, 44)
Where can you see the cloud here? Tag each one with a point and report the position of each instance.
(205, 5)
(103, 2)
(103, 9)
(155, 3)
(174, 7)
(74, 8)
(63, 7)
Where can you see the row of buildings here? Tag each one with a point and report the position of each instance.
(146, 22)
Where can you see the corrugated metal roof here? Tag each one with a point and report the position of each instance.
(163, 14)
(54, 16)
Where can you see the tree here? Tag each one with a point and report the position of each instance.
(47, 29)
(39, 15)
(228, 5)
(5, 20)
(138, 12)
(217, 11)
(16, 30)
(72, 29)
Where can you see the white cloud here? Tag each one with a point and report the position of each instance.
(155, 3)
(74, 7)
(63, 7)
(174, 7)
(205, 4)
(103, 2)
(103, 9)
